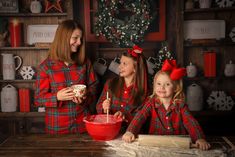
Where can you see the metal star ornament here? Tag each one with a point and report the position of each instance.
(50, 4)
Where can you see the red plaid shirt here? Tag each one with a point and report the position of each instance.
(64, 116)
(176, 120)
(124, 103)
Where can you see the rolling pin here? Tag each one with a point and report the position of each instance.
(173, 141)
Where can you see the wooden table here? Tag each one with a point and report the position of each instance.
(42, 145)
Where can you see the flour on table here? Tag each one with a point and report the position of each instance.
(124, 149)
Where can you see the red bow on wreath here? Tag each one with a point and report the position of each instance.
(175, 73)
(135, 51)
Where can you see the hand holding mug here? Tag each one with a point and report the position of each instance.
(80, 93)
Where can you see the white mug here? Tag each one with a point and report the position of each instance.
(114, 65)
(79, 90)
(151, 65)
(100, 66)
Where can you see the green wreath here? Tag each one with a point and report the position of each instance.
(125, 31)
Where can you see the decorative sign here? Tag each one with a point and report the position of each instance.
(9, 6)
(204, 29)
(40, 33)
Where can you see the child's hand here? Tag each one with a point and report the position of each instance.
(119, 114)
(202, 144)
(106, 105)
(128, 137)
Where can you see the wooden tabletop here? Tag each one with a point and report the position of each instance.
(42, 145)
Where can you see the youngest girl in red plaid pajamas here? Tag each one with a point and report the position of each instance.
(166, 108)
(122, 96)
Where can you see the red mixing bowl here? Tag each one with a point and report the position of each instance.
(100, 129)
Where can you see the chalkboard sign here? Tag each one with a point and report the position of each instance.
(9, 6)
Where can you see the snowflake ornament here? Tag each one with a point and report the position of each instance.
(218, 100)
(232, 34)
(27, 72)
(225, 3)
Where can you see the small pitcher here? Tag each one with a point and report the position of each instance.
(9, 67)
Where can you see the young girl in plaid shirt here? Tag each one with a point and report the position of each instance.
(166, 109)
(65, 66)
(123, 95)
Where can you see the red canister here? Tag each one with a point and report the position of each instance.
(15, 33)
(24, 99)
(210, 64)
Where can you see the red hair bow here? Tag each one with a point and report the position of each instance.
(175, 73)
(135, 51)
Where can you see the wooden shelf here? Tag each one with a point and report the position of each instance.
(32, 15)
(212, 10)
(121, 49)
(21, 114)
(17, 81)
(213, 113)
(200, 78)
(215, 44)
(23, 48)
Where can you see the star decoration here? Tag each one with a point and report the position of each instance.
(50, 4)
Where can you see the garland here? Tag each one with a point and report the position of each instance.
(126, 31)
(163, 54)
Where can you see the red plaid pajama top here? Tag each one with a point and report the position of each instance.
(176, 120)
(64, 116)
(124, 103)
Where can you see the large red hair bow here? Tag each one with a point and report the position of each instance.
(135, 51)
(175, 73)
